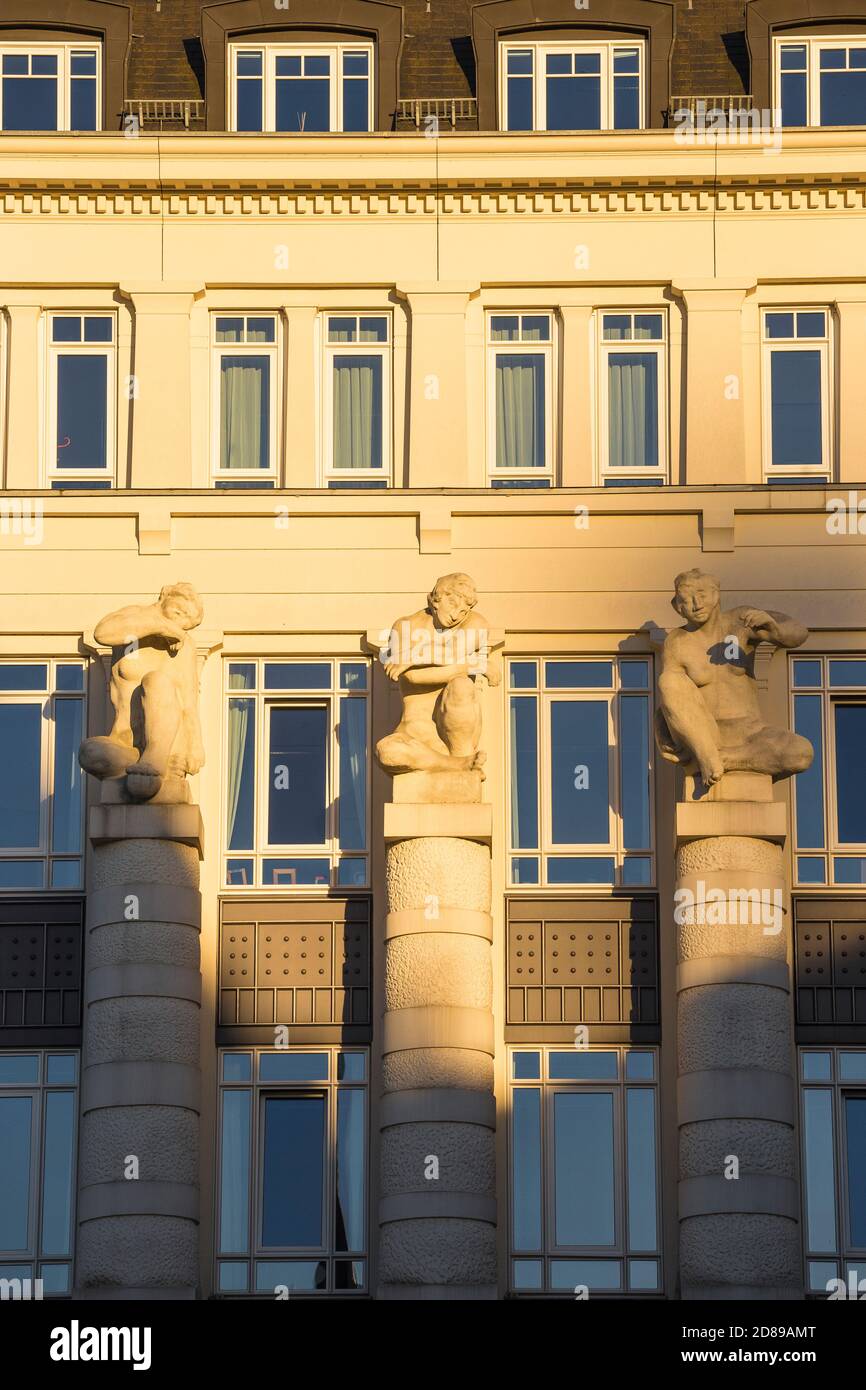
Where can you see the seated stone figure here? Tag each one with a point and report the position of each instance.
(710, 720)
(156, 735)
(441, 657)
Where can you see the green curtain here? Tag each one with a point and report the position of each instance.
(244, 412)
(633, 409)
(357, 411)
(519, 410)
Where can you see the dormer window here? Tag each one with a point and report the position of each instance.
(49, 86)
(302, 88)
(821, 81)
(572, 86)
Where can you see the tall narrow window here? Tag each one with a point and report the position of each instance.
(572, 86)
(302, 88)
(797, 396)
(821, 81)
(293, 1171)
(520, 399)
(584, 1171)
(829, 709)
(82, 400)
(49, 87)
(357, 400)
(588, 817)
(245, 396)
(833, 1097)
(633, 388)
(38, 1114)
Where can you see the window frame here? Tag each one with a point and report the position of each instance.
(539, 49)
(822, 472)
(659, 347)
(245, 477)
(104, 476)
(547, 350)
(330, 474)
(337, 52)
(813, 44)
(831, 696)
(64, 52)
(846, 1254)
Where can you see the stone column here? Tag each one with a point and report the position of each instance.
(437, 1210)
(738, 1196)
(138, 1199)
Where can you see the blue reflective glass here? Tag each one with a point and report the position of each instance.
(356, 64)
(303, 103)
(832, 58)
(82, 411)
(580, 870)
(83, 64)
(297, 675)
(849, 871)
(811, 870)
(848, 673)
(237, 1066)
(317, 65)
(245, 411)
(641, 1168)
(633, 402)
(850, 730)
(297, 775)
(579, 772)
(235, 1167)
(241, 789)
(20, 805)
(527, 1274)
(505, 328)
(66, 329)
(14, 676)
(356, 104)
(520, 410)
(519, 103)
(526, 1066)
(811, 325)
(44, 64)
(288, 66)
(793, 57)
(626, 60)
(817, 1066)
(520, 61)
(60, 1069)
(643, 1274)
(249, 101)
(584, 1168)
(639, 1066)
(29, 103)
(15, 64)
(15, 1167)
(820, 1169)
(573, 103)
(293, 1170)
(524, 675)
(616, 327)
(626, 103)
(587, 63)
(350, 1184)
(352, 802)
(779, 325)
(293, 1066)
(22, 873)
(809, 785)
(524, 870)
(636, 871)
(372, 329)
(233, 1275)
(526, 1167)
(66, 873)
(66, 804)
(524, 771)
(250, 64)
(558, 63)
(351, 1066)
(635, 771)
(535, 328)
(291, 1274)
(240, 873)
(70, 678)
(292, 873)
(82, 94)
(98, 329)
(857, 57)
(595, 1275)
(353, 676)
(648, 326)
(806, 673)
(852, 1067)
(19, 1070)
(796, 408)
(582, 1065)
(60, 1108)
(793, 95)
(578, 675)
(634, 675)
(352, 873)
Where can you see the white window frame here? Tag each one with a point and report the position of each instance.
(329, 472)
(545, 350)
(642, 346)
(813, 47)
(540, 51)
(64, 53)
(824, 345)
(107, 473)
(830, 696)
(271, 51)
(274, 354)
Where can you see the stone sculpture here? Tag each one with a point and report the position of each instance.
(710, 720)
(156, 740)
(441, 657)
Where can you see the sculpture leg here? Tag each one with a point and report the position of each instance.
(402, 753)
(162, 717)
(691, 723)
(773, 751)
(459, 717)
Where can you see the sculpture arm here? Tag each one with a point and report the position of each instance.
(435, 675)
(135, 623)
(769, 626)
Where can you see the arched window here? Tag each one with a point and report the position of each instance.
(62, 66)
(809, 60)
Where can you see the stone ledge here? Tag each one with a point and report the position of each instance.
(172, 1084)
(437, 1025)
(754, 1193)
(169, 903)
(733, 970)
(135, 1198)
(423, 1206)
(149, 980)
(707, 820)
(436, 788)
(735, 1093)
(413, 921)
(175, 822)
(455, 821)
(437, 1104)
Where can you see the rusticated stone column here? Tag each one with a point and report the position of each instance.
(438, 1209)
(738, 1203)
(138, 1200)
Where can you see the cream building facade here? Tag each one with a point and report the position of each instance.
(401, 268)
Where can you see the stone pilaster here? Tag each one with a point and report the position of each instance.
(437, 1207)
(138, 1199)
(738, 1199)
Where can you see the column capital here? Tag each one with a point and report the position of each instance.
(437, 296)
(715, 295)
(161, 296)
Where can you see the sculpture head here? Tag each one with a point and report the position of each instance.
(452, 599)
(181, 605)
(696, 596)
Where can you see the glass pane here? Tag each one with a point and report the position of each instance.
(524, 675)
(576, 675)
(61, 1069)
(634, 675)
(300, 873)
(637, 872)
(293, 1170)
(847, 673)
(806, 673)
(23, 677)
(574, 103)
(352, 805)
(519, 102)
(21, 745)
(29, 103)
(520, 424)
(635, 771)
(855, 1134)
(351, 1066)
(793, 98)
(297, 675)
(524, 772)
(352, 873)
(229, 330)
(582, 1065)
(355, 64)
(591, 1274)
(535, 328)
(526, 1168)
(796, 408)
(357, 413)
(349, 1274)
(240, 778)
(19, 1070)
(648, 326)
(524, 871)
(342, 330)
(297, 775)
(293, 1066)
(55, 1278)
(16, 1114)
(353, 675)
(809, 785)
(504, 328)
(82, 410)
(520, 60)
(641, 1140)
(779, 325)
(582, 870)
(70, 678)
(237, 1066)
(235, 1170)
(811, 325)
(792, 57)
(356, 105)
(852, 1067)
(83, 63)
(233, 1276)
(643, 1274)
(579, 772)
(303, 103)
(291, 1274)
(261, 330)
(350, 1178)
(66, 873)
(616, 327)
(66, 806)
(528, 1274)
(820, 1274)
(249, 103)
(843, 95)
(849, 870)
(817, 1066)
(60, 1109)
(583, 1168)
(811, 870)
(639, 1066)
(245, 411)
(526, 1066)
(626, 103)
(820, 1169)
(850, 725)
(633, 410)
(82, 93)
(240, 873)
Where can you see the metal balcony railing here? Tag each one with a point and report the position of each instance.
(449, 110)
(158, 112)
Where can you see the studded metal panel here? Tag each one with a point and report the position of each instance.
(831, 961)
(297, 963)
(40, 965)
